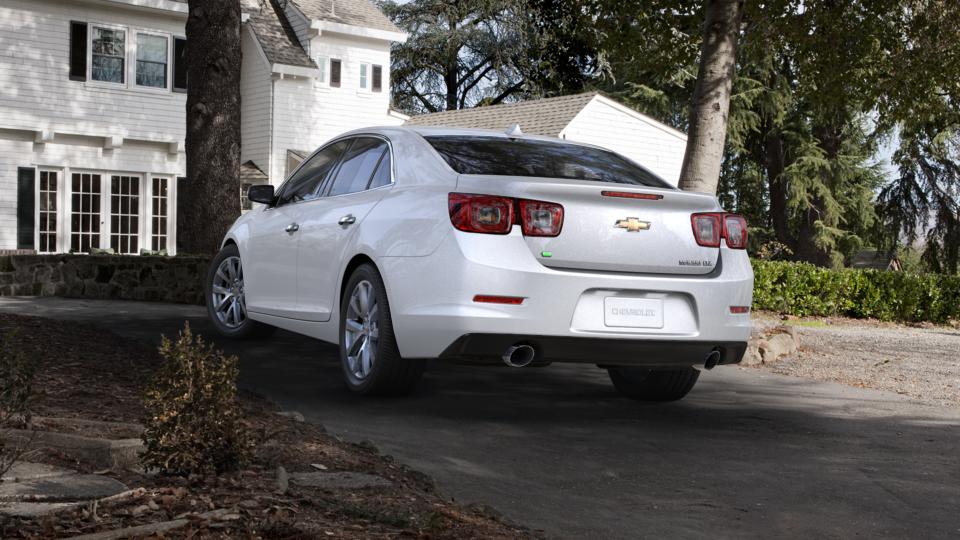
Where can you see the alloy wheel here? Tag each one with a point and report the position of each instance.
(227, 293)
(361, 330)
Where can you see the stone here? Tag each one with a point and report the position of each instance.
(293, 415)
(283, 480)
(35, 509)
(776, 346)
(22, 470)
(69, 488)
(752, 355)
(338, 480)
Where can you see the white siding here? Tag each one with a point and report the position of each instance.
(308, 113)
(36, 94)
(299, 23)
(656, 147)
(255, 89)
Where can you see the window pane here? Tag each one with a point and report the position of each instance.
(151, 61)
(499, 156)
(108, 55)
(382, 176)
(363, 75)
(108, 42)
(358, 166)
(304, 183)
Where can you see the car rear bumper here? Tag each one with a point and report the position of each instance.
(434, 313)
(600, 351)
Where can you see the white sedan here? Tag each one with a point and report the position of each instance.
(404, 245)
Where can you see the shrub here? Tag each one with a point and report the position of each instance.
(804, 289)
(16, 386)
(193, 425)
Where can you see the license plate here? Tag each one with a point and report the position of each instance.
(633, 312)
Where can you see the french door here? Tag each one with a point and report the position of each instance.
(86, 211)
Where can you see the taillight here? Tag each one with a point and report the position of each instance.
(735, 231)
(707, 229)
(493, 214)
(481, 213)
(539, 218)
(710, 227)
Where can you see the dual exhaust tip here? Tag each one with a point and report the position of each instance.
(519, 356)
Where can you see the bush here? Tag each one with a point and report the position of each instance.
(193, 425)
(16, 386)
(804, 289)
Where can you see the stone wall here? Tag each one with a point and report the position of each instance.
(158, 279)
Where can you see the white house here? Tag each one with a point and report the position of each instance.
(92, 109)
(589, 118)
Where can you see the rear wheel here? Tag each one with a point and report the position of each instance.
(369, 355)
(653, 384)
(226, 303)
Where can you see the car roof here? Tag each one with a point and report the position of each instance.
(441, 131)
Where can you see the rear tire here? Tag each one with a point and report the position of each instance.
(369, 356)
(225, 299)
(653, 385)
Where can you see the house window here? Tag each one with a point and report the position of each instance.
(377, 78)
(125, 214)
(335, 66)
(152, 60)
(322, 64)
(245, 203)
(363, 75)
(158, 235)
(48, 212)
(85, 212)
(108, 53)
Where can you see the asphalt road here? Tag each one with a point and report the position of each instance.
(746, 454)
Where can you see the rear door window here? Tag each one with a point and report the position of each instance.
(499, 156)
(358, 166)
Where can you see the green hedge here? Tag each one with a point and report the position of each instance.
(804, 289)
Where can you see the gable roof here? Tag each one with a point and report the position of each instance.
(546, 117)
(275, 35)
(251, 174)
(353, 12)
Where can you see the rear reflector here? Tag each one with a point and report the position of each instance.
(739, 310)
(490, 299)
(629, 195)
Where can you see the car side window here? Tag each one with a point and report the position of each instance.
(358, 166)
(382, 176)
(305, 182)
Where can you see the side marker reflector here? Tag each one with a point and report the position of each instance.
(739, 310)
(491, 299)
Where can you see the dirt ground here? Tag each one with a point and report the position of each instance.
(921, 361)
(86, 372)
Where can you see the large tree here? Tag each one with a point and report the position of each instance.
(208, 201)
(710, 105)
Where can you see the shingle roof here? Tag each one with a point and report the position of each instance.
(353, 12)
(276, 37)
(251, 174)
(537, 117)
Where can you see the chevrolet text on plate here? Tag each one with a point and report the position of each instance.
(409, 244)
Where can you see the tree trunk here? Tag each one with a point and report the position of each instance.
(209, 201)
(711, 97)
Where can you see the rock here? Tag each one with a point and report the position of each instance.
(22, 471)
(293, 415)
(283, 480)
(777, 346)
(338, 480)
(318, 466)
(35, 509)
(69, 488)
(752, 356)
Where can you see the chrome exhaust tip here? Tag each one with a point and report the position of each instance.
(712, 360)
(519, 355)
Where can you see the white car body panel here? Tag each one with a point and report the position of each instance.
(433, 271)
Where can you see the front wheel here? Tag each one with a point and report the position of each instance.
(653, 384)
(226, 303)
(369, 355)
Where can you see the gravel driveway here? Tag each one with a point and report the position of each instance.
(923, 363)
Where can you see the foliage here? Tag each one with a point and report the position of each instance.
(804, 289)
(193, 422)
(16, 387)
(458, 54)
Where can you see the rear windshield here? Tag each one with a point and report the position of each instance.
(518, 157)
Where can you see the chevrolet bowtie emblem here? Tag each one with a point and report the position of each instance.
(632, 224)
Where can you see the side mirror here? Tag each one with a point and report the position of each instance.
(261, 193)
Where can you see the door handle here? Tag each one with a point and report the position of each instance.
(347, 220)
(292, 228)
